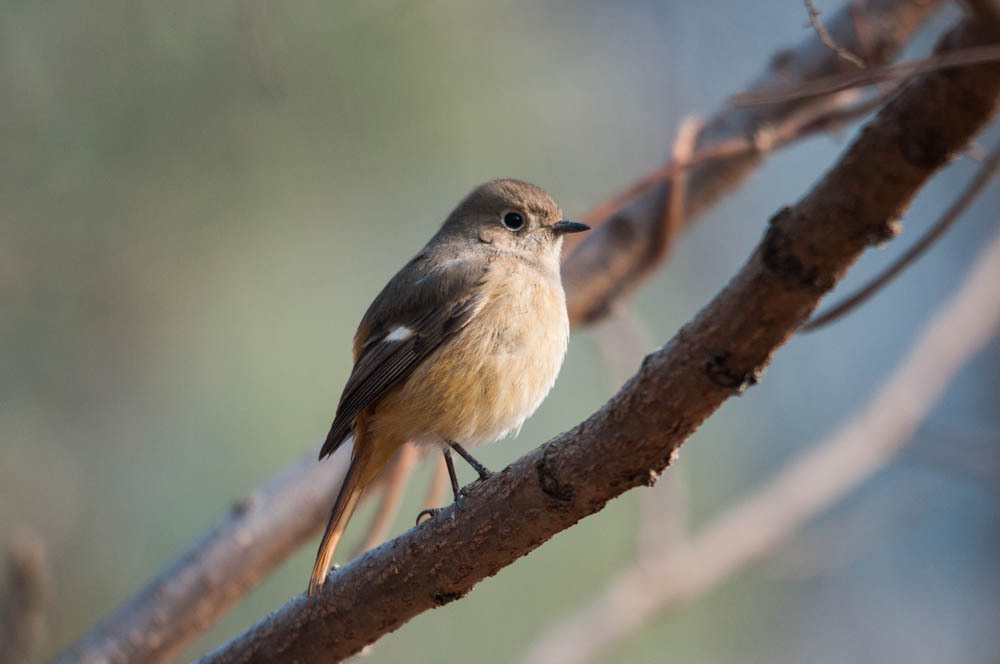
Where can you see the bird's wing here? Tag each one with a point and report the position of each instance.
(414, 315)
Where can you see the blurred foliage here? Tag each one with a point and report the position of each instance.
(199, 200)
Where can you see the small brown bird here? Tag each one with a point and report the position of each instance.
(460, 347)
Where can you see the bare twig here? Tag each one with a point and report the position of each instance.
(959, 206)
(840, 82)
(673, 212)
(23, 608)
(663, 514)
(231, 558)
(816, 480)
(768, 137)
(825, 37)
(806, 249)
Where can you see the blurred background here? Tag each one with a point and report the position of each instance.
(200, 199)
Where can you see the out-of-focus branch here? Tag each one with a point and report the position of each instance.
(987, 10)
(624, 340)
(438, 486)
(187, 597)
(629, 441)
(806, 487)
(395, 478)
(830, 85)
(613, 260)
(190, 594)
(22, 610)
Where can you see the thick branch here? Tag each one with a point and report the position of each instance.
(806, 249)
(187, 596)
(806, 487)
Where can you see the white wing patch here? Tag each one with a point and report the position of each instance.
(401, 333)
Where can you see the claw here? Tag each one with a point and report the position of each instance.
(430, 513)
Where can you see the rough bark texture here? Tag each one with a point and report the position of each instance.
(804, 251)
(190, 594)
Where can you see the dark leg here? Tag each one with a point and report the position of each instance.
(483, 471)
(453, 476)
(451, 472)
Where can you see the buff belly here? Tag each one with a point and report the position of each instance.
(490, 377)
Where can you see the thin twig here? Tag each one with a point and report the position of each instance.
(733, 147)
(806, 487)
(986, 173)
(766, 138)
(825, 37)
(673, 212)
(839, 82)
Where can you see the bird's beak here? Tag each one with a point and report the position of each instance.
(564, 226)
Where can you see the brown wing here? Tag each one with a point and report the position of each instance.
(438, 305)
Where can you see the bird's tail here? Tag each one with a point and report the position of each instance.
(347, 500)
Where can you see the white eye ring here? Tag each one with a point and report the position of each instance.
(512, 221)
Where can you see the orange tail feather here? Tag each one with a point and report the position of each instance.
(343, 508)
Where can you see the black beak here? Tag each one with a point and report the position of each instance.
(564, 226)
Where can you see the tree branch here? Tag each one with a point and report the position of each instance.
(806, 487)
(825, 37)
(618, 252)
(189, 595)
(805, 250)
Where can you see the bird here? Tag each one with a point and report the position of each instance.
(460, 346)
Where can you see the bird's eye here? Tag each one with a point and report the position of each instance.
(513, 221)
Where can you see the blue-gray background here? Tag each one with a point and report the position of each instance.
(199, 200)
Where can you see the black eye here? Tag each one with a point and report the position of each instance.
(513, 221)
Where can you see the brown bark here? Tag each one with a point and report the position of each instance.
(724, 350)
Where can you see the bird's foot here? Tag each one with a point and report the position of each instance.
(430, 513)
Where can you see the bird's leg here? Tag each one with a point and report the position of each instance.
(483, 471)
(453, 476)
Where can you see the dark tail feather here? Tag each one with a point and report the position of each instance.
(347, 500)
